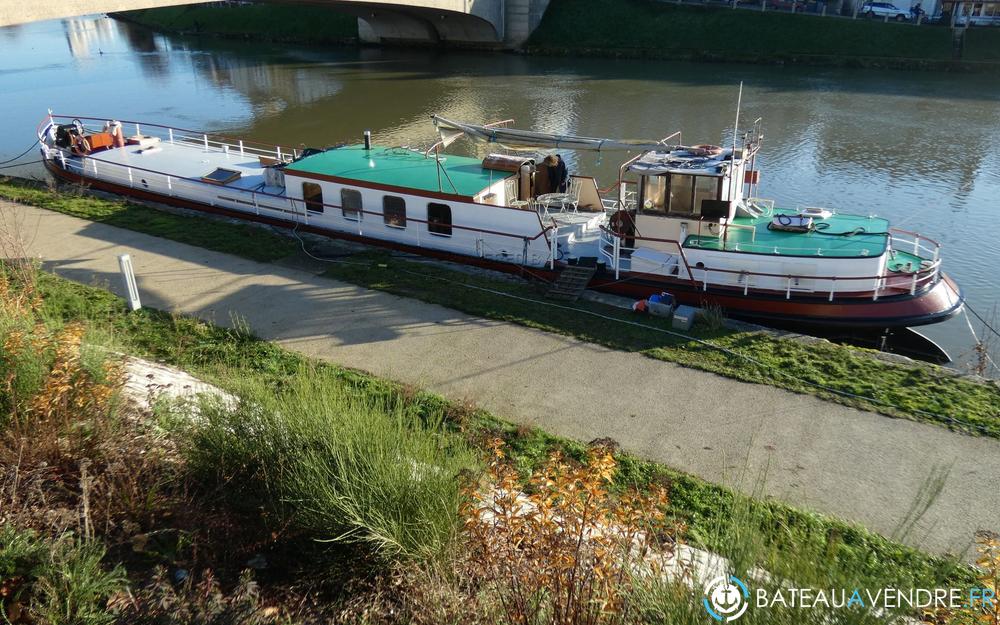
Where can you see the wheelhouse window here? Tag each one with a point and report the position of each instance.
(679, 195)
(394, 211)
(654, 194)
(439, 219)
(350, 204)
(705, 188)
(312, 195)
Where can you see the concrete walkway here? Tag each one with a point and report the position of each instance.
(818, 455)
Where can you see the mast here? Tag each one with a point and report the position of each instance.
(732, 165)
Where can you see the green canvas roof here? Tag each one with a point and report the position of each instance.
(399, 168)
(844, 236)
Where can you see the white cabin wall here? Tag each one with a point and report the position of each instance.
(497, 219)
(658, 227)
(843, 268)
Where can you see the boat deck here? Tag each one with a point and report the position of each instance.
(191, 160)
(842, 236)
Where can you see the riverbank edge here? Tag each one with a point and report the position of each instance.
(703, 56)
(536, 46)
(233, 236)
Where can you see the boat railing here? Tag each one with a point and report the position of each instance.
(764, 206)
(269, 205)
(173, 134)
(832, 287)
(925, 248)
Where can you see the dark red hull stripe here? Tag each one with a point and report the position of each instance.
(938, 303)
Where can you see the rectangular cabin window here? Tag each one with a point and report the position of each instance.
(654, 194)
(350, 204)
(394, 211)
(681, 194)
(439, 219)
(312, 195)
(705, 188)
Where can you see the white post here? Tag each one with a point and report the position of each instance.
(618, 252)
(788, 288)
(128, 276)
(555, 247)
(205, 139)
(170, 187)
(94, 163)
(138, 131)
(277, 150)
(131, 183)
(913, 287)
(170, 133)
(241, 147)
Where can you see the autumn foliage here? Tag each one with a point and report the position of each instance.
(563, 549)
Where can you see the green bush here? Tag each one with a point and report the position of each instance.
(339, 466)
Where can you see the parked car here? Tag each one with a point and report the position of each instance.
(883, 9)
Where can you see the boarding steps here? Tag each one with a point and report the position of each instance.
(571, 283)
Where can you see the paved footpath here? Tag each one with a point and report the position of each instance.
(819, 455)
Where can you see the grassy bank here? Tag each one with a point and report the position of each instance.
(320, 494)
(236, 359)
(661, 29)
(300, 23)
(830, 371)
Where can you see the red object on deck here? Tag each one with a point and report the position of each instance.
(100, 140)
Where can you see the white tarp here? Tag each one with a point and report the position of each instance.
(514, 139)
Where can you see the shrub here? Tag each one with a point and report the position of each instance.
(565, 551)
(196, 601)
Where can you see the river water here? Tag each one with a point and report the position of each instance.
(918, 148)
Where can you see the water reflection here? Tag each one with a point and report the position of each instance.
(915, 147)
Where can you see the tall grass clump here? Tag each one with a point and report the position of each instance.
(55, 581)
(338, 466)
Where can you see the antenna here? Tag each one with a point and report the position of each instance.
(732, 166)
(732, 162)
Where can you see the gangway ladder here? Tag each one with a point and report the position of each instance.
(571, 283)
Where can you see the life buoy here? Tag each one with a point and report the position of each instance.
(705, 149)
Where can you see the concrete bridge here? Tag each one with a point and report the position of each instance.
(493, 23)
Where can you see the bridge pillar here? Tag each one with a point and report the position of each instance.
(521, 18)
(490, 23)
